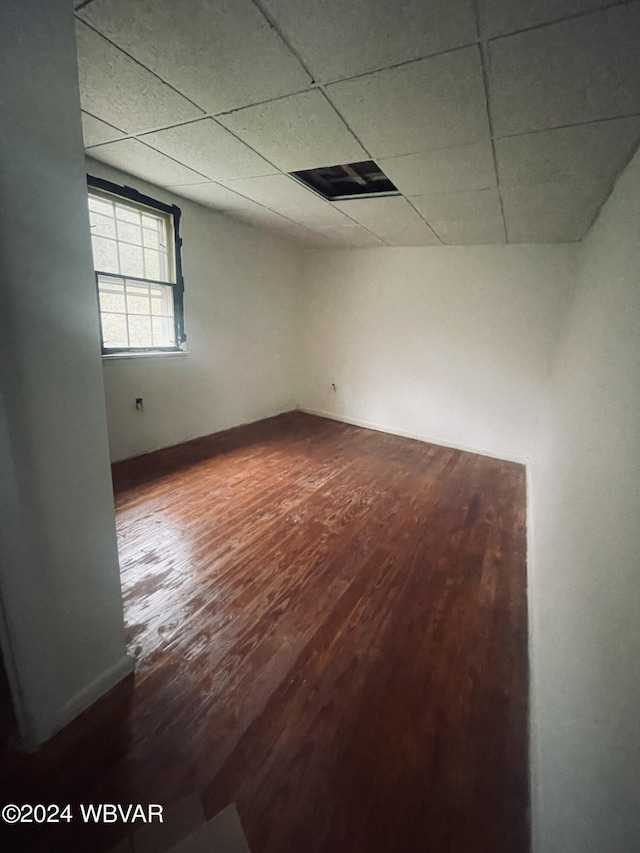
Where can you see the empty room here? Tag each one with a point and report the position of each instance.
(319, 426)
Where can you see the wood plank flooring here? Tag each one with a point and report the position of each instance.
(330, 631)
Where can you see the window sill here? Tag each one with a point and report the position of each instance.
(117, 356)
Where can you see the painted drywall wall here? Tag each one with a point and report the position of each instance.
(585, 567)
(241, 291)
(448, 344)
(62, 627)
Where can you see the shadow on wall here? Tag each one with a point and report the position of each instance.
(8, 723)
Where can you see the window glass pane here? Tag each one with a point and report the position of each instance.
(150, 238)
(167, 301)
(131, 260)
(127, 214)
(111, 301)
(138, 288)
(158, 334)
(137, 304)
(100, 205)
(114, 330)
(164, 269)
(156, 305)
(163, 332)
(130, 233)
(137, 298)
(110, 284)
(152, 264)
(102, 226)
(105, 254)
(162, 293)
(149, 220)
(140, 331)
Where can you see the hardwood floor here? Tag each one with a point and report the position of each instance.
(330, 629)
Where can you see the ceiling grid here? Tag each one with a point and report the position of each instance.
(485, 79)
(498, 121)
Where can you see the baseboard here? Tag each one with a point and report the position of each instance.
(82, 700)
(429, 439)
(97, 688)
(116, 459)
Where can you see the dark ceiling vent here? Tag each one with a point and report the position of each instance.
(352, 180)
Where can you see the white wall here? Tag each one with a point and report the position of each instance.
(241, 291)
(527, 353)
(61, 627)
(585, 580)
(451, 345)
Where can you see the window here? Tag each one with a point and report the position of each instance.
(136, 257)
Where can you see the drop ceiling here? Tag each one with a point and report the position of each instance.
(497, 120)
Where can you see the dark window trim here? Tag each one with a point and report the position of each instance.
(131, 194)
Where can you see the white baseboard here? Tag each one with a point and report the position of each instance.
(81, 701)
(209, 432)
(97, 688)
(429, 439)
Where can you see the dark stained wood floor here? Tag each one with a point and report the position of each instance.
(330, 631)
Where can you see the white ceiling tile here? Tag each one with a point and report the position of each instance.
(353, 236)
(448, 207)
(210, 195)
(300, 234)
(470, 232)
(602, 148)
(266, 190)
(348, 37)
(140, 160)
(260, 217)
(508, 16)
(121, 92)
(210, 149)
(95, 131)
(392, 219)
(432, 103)
(553, 212)
(573, 72)
(220, 54)
(298, 132)
(243, 209)
(315, 216)
(462, 167)
(285, 195)
(250, 211)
